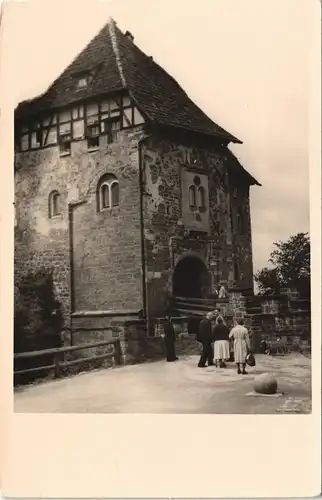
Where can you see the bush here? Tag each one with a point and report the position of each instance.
(38, 321)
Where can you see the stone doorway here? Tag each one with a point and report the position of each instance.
(191, 278)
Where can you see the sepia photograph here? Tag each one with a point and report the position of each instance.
(161, 209)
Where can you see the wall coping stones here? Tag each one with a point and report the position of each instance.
(122, 312)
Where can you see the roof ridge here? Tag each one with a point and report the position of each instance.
(116, 50)
(116, 32)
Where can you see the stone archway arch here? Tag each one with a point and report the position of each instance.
(191, 277)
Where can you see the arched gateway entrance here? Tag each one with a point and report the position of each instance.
(191, 278)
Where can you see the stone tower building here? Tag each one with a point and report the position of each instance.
(126, 189)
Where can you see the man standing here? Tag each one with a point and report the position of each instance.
(205, 338)
(169, 339)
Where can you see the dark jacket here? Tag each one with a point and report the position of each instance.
(220, 332)
(205, 331)
(169, 332)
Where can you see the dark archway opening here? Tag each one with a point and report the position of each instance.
(191, 278)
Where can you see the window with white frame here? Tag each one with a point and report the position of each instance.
(54, 204)
(108, 195)
(110, 127)
(64, 143)
(112, 113)
(83, 80)
(93, 133)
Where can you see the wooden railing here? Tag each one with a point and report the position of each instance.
(59, 352)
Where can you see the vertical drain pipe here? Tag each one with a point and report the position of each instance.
(143, 252)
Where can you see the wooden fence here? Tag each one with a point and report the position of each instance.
(59, 353)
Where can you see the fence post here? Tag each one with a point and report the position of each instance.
(117, 352)
(57, 365)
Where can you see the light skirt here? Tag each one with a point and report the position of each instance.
(222, 349)
(240, 350)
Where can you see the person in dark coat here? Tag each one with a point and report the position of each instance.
(169, 339)
(205, 338)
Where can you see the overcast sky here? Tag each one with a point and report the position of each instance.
(244, 62)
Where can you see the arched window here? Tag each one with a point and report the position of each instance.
(197, 195)
(105, 196)
(108, 192)
(201, 198)
(54, 204)
(192, 197)
(115, 193)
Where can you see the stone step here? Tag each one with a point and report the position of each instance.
(191, 312)
(182, 304)
(196, 300)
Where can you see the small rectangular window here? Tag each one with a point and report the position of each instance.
(78, 112)
(64, 116)
(93, 136)
(126, 101)
(110, 127)
(36, 139)
(82, 82)
(65, 143)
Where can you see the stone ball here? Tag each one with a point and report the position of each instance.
(265, 384)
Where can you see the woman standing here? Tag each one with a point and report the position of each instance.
(241, 345)
(221, 338)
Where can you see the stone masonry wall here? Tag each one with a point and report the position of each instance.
(166, 238)
(241, 234)
(106, 246)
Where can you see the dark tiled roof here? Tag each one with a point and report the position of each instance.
(159, 95)
(121, 64)
(235, 167)
(98, 54)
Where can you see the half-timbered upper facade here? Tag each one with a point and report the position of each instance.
(125, 188)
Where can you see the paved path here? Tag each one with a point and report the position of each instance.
(180, 387)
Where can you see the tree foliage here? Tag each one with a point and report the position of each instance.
(38, 317)
(290, 267)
